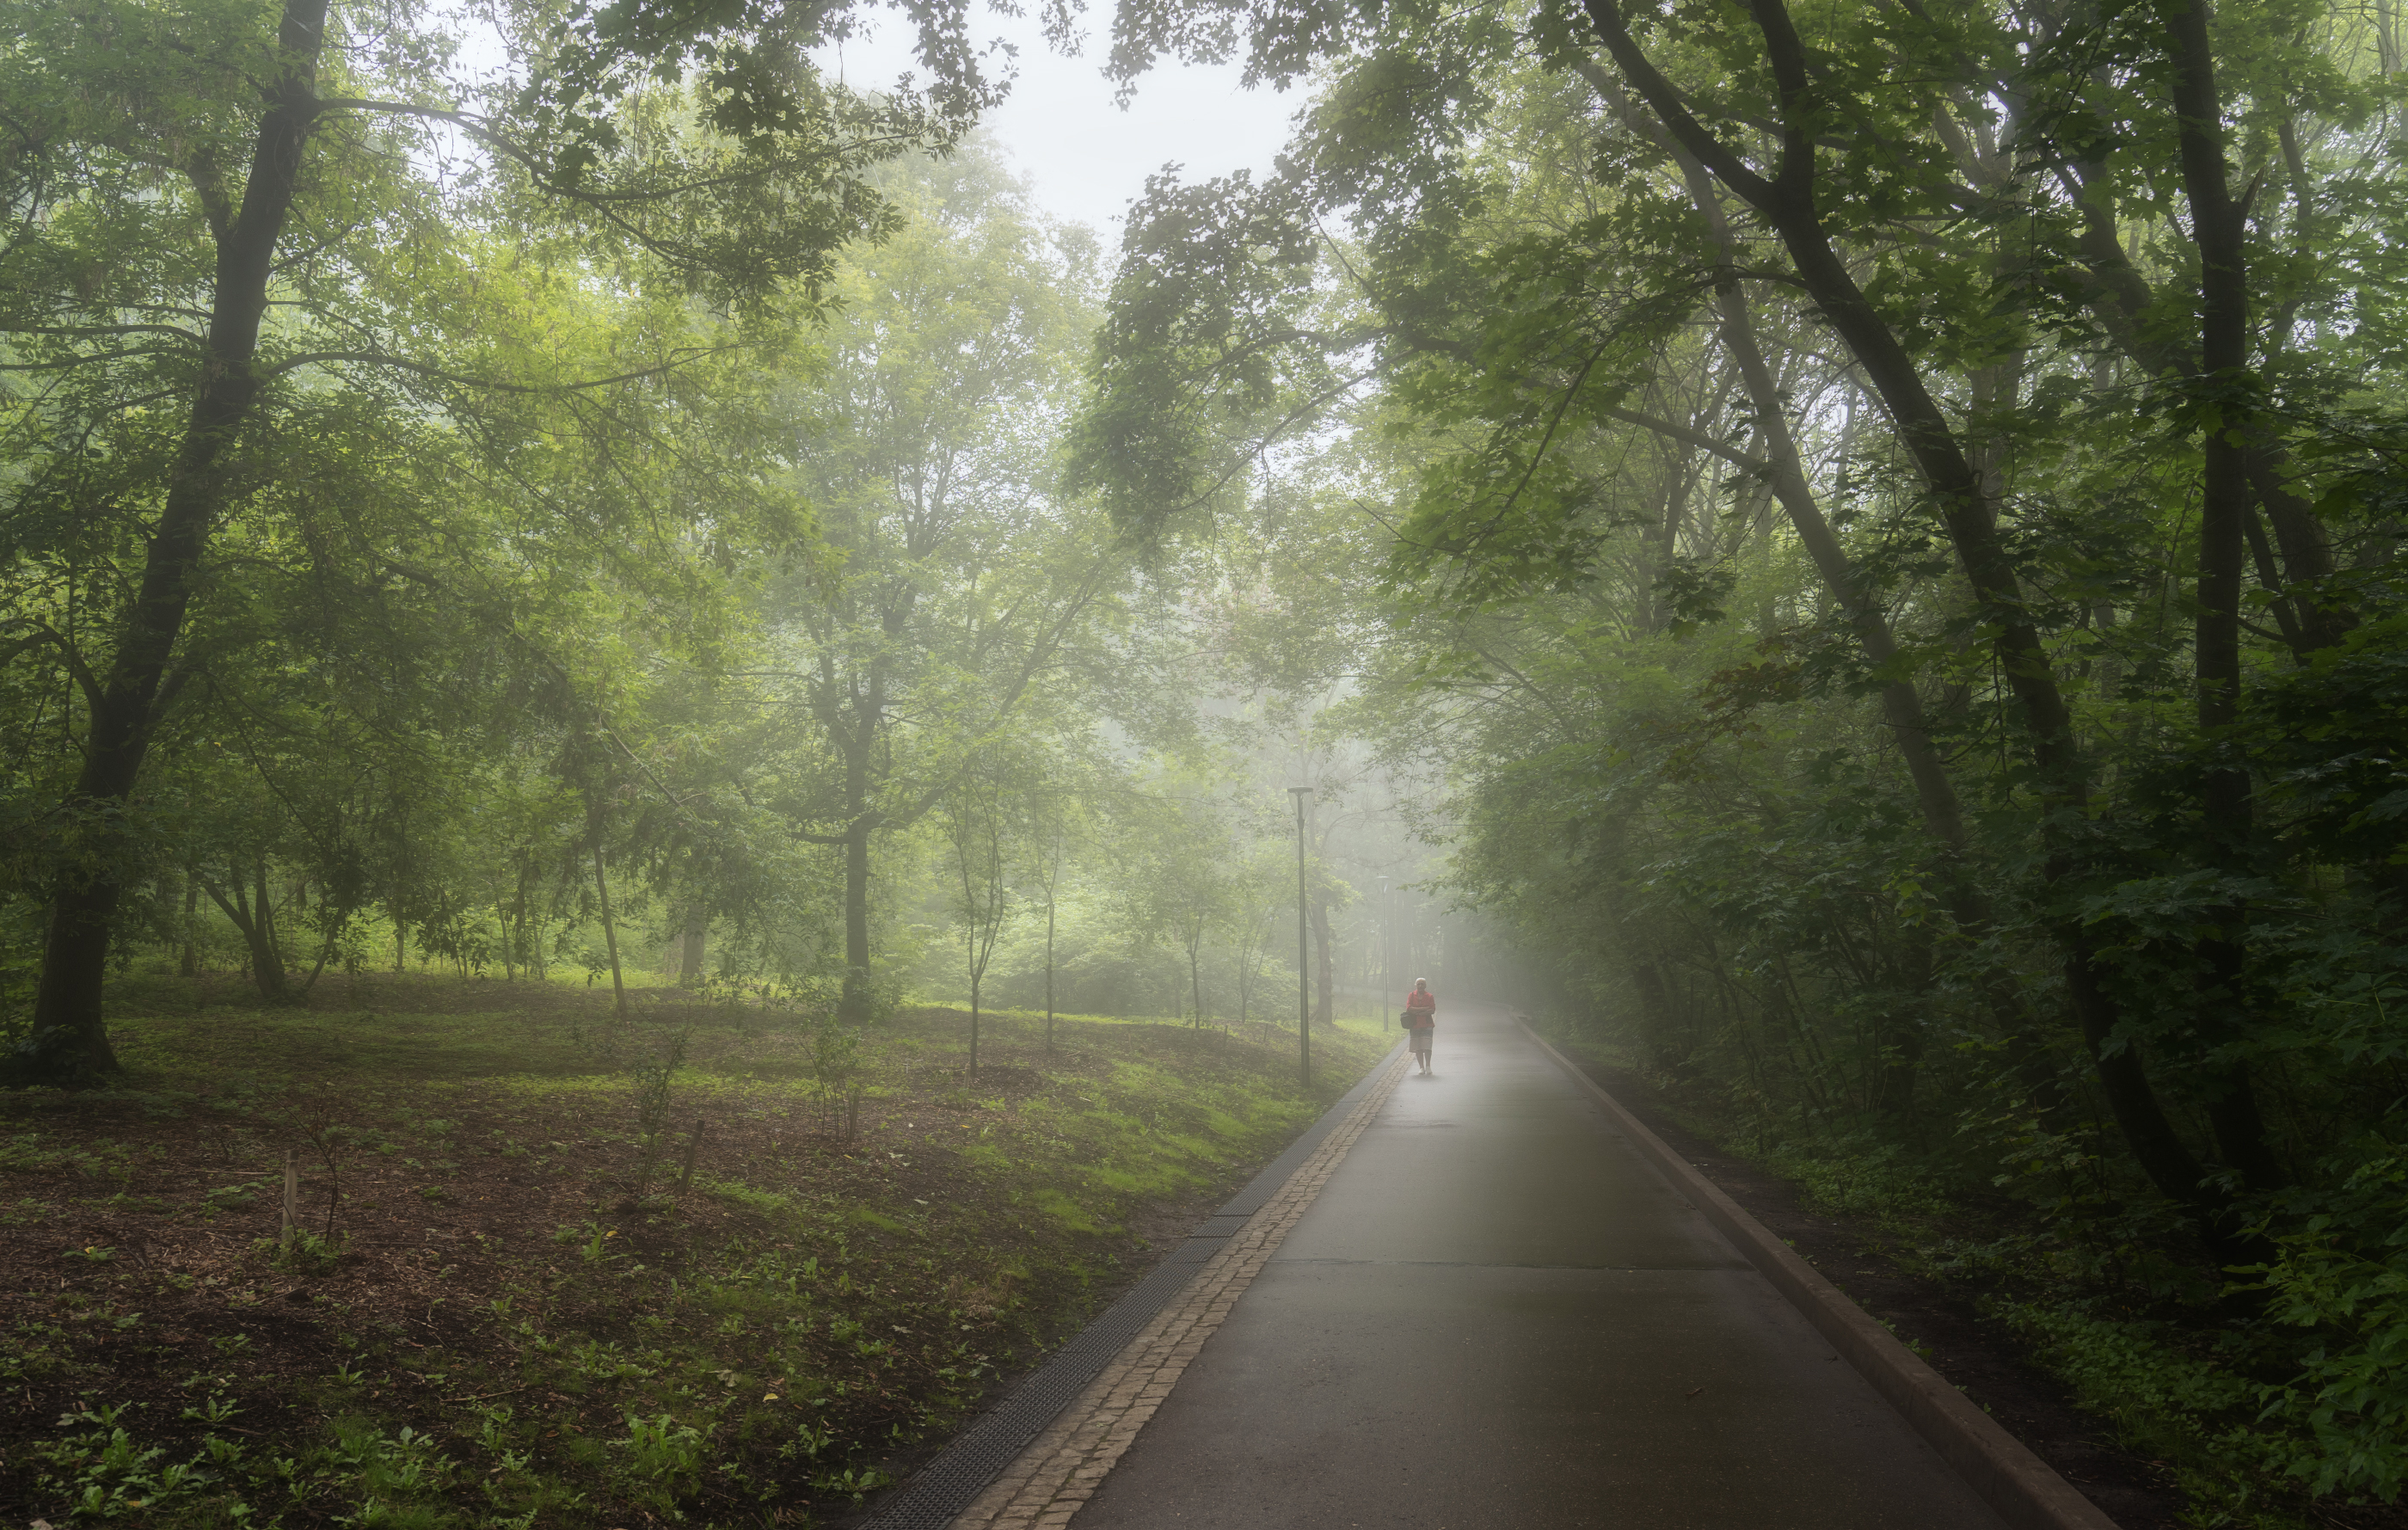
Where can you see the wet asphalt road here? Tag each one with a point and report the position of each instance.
(1496, 1314)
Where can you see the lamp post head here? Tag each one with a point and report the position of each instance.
(1301, 791)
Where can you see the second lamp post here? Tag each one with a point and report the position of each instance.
(1303, 964)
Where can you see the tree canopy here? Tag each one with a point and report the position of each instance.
(1844, 557)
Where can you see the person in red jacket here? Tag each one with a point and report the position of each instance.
(1420, 1020)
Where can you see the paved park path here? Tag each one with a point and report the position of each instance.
(1489, 1312)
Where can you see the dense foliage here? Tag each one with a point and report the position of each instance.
(1864, 543)
(1892, 519)
(499, 521)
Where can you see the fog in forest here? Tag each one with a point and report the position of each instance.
(709, 712)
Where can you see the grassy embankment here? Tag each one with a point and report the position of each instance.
(525, 1291)
(2141, 1340)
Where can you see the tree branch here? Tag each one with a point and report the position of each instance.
(403, 364)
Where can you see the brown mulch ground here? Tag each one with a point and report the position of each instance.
(139, 1293)
(140, 1268)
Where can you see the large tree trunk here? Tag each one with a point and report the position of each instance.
(2218, 225)
(1902, 706)
(1786, 478)
(1787, 203)
(69, 1044)
(2122, 298)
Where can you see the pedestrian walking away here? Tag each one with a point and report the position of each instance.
(1420, 1020)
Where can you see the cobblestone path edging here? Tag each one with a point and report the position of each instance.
(1055, 1476)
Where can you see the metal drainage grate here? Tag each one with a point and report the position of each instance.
(946, 1486)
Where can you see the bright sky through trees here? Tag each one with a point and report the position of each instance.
(1086, 157)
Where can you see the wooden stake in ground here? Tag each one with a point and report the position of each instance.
(291, 1197)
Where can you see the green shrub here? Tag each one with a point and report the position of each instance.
(2344, 1275)
(303, 1252)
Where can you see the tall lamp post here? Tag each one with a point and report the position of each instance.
(1303, 976)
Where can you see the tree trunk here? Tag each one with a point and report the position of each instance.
(266, 951)
(528, 929)
(188, 963)
(1900, 1038)
(1935, 795)
(1787, 203)
(1662, 1024)
(2226, 805)
(69, 1044)
(2122, 298)
(2307, 552)
(855, 1004)
(610, 931)
(691, 941)
(254, 915)
(1325, 1011)
(1196, 974)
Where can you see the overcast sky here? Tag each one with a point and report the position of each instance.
(1086, 157)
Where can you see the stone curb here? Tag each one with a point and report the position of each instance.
(999, 1439)
(1055, 1477)
(2022, 1487)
